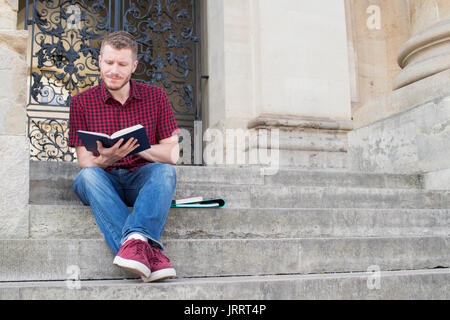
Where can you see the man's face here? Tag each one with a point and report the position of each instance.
(116, 67)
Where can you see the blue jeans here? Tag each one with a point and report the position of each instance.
(149, 190)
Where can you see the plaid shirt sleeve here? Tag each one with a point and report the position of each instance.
(76, 122)
(166, 125)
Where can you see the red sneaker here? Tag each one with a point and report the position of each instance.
(133, 257)
(160, 266)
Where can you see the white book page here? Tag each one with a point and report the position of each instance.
(95, 133)
(206, 205)
(189, 199)
(125, 131)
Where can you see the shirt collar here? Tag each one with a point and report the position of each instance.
(134, 91)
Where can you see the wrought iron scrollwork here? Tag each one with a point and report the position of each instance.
(49, 140)
(64, 55)
(165, 31)
(65, 48)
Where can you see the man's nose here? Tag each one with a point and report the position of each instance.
(114, 68)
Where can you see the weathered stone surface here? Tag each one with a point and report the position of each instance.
(433, 88)
(78, 222)
(13, 74)
(14, 145)
(8, 14)
(14, 186)
(414, 141)
(437, 180)
(414, 284)
(50, 259)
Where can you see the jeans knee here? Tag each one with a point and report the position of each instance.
(168, 173)
(87, 176)
(164, 173)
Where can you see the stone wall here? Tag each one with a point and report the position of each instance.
(14, 147)
(413, 140)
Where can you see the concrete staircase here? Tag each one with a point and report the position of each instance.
(300, 234)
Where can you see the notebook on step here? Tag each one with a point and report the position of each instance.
(198, 202)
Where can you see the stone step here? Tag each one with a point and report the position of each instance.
(62, 174)
(385, 285)
(77, 222)
(329, 178)
(339, 197)
(29, 260)
(267, 196)
(236, 195)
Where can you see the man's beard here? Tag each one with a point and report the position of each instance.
(117, 86)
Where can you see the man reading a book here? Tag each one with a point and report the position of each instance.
(111, 180)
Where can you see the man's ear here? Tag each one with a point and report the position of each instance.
(135, 64)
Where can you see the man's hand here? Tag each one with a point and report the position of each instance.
(108, 156)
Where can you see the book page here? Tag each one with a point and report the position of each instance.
(196, 205)
(125, 131)
(187, 200)
(99, 134)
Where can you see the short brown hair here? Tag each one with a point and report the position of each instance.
(121, 40)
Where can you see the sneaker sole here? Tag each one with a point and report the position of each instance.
(133, 266)
(161, 275)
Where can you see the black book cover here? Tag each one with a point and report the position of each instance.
(138, 132)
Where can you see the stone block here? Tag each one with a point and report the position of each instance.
(433, 88)
(8, 14)
(437, 180)
(14, 187)
(13, 74)
(414, 141)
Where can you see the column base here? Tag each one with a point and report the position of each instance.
(302, 142)
(424, 55)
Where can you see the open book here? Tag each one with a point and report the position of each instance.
(197, 202)
(138, 132)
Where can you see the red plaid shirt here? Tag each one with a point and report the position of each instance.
(96, 110)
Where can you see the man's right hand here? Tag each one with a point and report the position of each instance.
(107, 156)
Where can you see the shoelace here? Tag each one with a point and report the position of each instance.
(154, 256)
(139, 246)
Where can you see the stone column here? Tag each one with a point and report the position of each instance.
(14, 147)
(427, 52)
(376, 31)
(281, 66)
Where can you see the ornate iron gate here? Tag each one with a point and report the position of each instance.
(65, 43)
